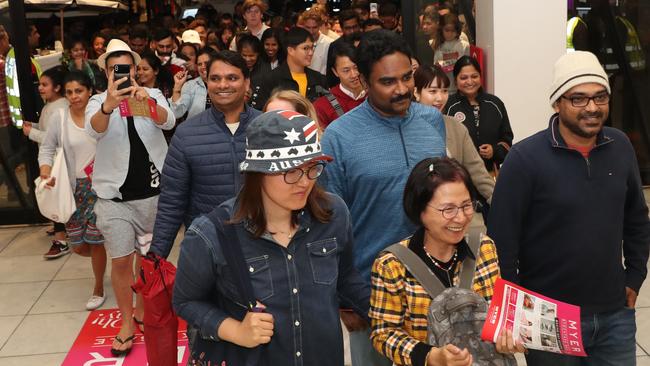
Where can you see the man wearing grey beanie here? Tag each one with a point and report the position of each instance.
(569, 218)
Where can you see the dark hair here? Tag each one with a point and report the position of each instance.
(387, 9)
(123, 30)
(424, 180)
(451, 18)
(372, 21)
(341, 50)
(231, 58)
(208, 12)
(249, 40)
(163, 75)
(466, 61)
(99, 35)
(152, 60)
(346, 15)
(377, 44)
(55, 75)
(225, 16)
(162, 33)
(296, 36)
(91, 50)
(187, 44)
(118, 54)
(139, 31)
(220, 31)
(71, 43)
(275, 34)
(251, 207)
(425, 75)
(81, 77)
(206, 51)
(164, 78)
(361, 5)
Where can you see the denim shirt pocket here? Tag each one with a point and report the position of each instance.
(259, 270)
(323, 259)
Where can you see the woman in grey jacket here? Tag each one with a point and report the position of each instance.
(432, 88)
(67, 131)
(51, 90)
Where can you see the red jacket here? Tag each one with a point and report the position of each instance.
(325, 110)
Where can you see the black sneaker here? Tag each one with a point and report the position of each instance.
(57, 250)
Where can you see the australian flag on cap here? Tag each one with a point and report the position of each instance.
(278, 141)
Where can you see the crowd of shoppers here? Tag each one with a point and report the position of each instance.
(361, 145)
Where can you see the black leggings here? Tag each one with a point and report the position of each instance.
(59, 227)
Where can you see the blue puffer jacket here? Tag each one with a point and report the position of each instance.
(201, 170)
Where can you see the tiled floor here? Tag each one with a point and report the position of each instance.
(42, 302)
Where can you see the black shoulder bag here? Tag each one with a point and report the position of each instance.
(206, 352)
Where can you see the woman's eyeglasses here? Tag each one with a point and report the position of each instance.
(294, 175)
(452, 211)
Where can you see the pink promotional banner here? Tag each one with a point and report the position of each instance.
(93, 345)
(535, 320)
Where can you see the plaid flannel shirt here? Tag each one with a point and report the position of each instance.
(399, 304)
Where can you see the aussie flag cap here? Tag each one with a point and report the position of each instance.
(278, 141)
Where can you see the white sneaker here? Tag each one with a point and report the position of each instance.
(95, 302)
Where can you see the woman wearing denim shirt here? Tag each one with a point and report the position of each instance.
(297, 243)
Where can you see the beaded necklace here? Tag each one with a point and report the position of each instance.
(439, 264)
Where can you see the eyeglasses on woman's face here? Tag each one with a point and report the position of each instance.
(294, 175)
(451, 212)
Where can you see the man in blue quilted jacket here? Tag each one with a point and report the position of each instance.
(202, 165)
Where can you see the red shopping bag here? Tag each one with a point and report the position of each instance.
(155, 283)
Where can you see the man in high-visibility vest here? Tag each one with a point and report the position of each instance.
(11, 73)
(633, 50)
(577, 37)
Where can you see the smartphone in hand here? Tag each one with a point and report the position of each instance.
(121, 71)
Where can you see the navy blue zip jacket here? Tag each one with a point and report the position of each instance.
(201, 171)
(301, 285)
(565, 222)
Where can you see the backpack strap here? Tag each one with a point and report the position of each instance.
(335, 104)
(418, 269)
(473, 239)
(231, 249)
(331, 98)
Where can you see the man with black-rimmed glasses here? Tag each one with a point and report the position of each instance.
(569, 218)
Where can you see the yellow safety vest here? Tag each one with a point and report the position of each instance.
(570, 27)
(13, 90)
(633, 48)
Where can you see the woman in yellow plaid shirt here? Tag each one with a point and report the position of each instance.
(439, 198)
